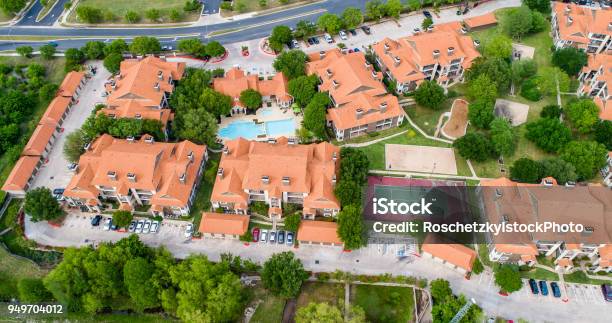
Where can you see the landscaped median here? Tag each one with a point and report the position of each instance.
(134, 12)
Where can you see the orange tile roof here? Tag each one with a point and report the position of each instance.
(456, 254)
(157, 167)
(415, 52)
(224, 223)
(306, 167)
(564, 262)
(605, 108)
(605, 256)
(131, 108)
(517, 249)
(528, 258)
(56, 109)
(70, 84)
(480, 21)
(318, 231)
(40, 139)
(21, 173)
(235, 81)
(585, 20)
(146, 80)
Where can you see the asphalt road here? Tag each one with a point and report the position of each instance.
(29, 18)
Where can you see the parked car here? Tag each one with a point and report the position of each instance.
(139, 226)
(107, 224)
(310, 41)
(607, 292)
(427, 14)
(289, 238)
(281, 237)
(534, 286)
(315, 40)
(328, 38)
(264, 236)
(295, 43)
(356, 50)
(58, 191)
(416, 30)
(543, 287)
(146, 228)
(366, 30)
(52, 43)
(343, 35)
(555, 289)
(188, 230)
(272, 238)
(132, 226)
(154, 226)
(353, 32)
(255, 234)
(96, 220)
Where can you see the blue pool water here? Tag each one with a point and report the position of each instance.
(250, 130)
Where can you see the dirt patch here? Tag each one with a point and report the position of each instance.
(423, 159)
(457, 124)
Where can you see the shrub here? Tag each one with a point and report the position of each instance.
(530, 90)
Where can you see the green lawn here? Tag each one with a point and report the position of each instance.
(540, 274)
(244, 6)
(581, 278)
(12, 269)
(270, 310)
(202, 200)
(4, 17)
(384, 304)
(333, 294)
(116, 10)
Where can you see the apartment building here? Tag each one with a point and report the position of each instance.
(441, 54)
(504, 201)
(360, 102)
(606, 171)
(322, 233)
(136, 174)
(581, 27)
(452, 255)
(273, 89)
(142, 88)
(276, 172)
(71, 85)
(223, 226)
(595, 81)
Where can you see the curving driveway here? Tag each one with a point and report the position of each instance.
(29, 18)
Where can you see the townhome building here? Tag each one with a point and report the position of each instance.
(441, 54)
(273, 89)
(360, 102)
(606, 171)
(595, 81)
(162, 177)
(275, 172)
(505, 201)
(582, 27)
(71, 85)
(142, 88)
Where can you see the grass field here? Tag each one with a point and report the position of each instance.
(244, 6)
(4, 17)
(333, 294)
(118, 8)
(384, 304)
(270, 310)
(12, 269)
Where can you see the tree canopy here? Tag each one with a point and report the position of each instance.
(559, 169)
(318, 312)
(330, 23)
(548, 78)
(41, 205)
(291, 63)
(569, 59)
(496, 69)
(587, 157)
(499, 46)
(482, 89)
(474, 146)
(526, 170)
(283, 274)
(351, 227)
(548, 134)
(503, 137)
(352, 17)
(314, 114)
(142, 45)
(508, 278)
(429, 94)
(603, 133)
(281, 35)
(251, 99)
(480, 113)
(303, 88)
(582, 114)
(122, 218)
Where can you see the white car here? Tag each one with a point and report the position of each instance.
(328, 38)
(154, 226)
(107, 224)
(139, 226)
(263, 236)
(343, 35)
(188, 230)
(146, 227)
(295, 44)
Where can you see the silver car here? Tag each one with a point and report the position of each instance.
(146, 227)
(188, 230)
(139, 226)
(154, 226)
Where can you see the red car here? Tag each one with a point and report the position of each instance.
(255, 234)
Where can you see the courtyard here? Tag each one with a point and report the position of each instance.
(271, 121)
(422, 159)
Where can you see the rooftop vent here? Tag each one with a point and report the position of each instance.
(334, 179)
(74, 167)
(387, 47)
(156, 86)
(436, 53)
(138, 116)
(335, 156)
(130, 138)
(112, 175)
(383, 106)
(570, 20)
(149, 139)
(292, 141)
(271, 141)
(329, 73)
(610, 26)
(367, 65)
(322, 54)
(131, 177)
(190, 155)
(183, 178)
(286, 180)
(570, 184)
(451, 51)
(547, 182)
(498, 192)
(160, 75)
(374, 75)
(220, 172)
(567, 10)
(265, 179)
(225, 150)
(359, 113)
(87, 146)
(396, 60)
(335, 83)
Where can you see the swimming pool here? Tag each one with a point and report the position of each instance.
(266, 112)
(250, 130)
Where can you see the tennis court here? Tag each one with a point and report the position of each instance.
(422, 159)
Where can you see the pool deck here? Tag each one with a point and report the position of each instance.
(272, 113)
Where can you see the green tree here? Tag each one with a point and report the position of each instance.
(25, 51)
(351, 227)
(352, 17)
(112, 62)
(283, 274)
(191, 5)
(142, 45)
(542, 6)
(482, 89)
(153, 14)
(198, 126)
(116, 46)
(74, 59)
(497, 69)
(569, 59)
(175, 15)
(440, 289)
(414, 5)
(477, 267)
(304, 29)
(393, 8)
(474, 146)
(12, 6)
(499, 46)
(480, 113)
(48, 92)
(354, 165)
(429, 94)
(582, 114)
(93, 49)
(192, 46)
(503, 137)
(330, 23)
(214, 49)
(374, 9)
(548, 134)
(603, 133)
(251, 99)
(526, 170)
(559, 169)
(32, 290)
(47, 51)
(138, 277)
(41, 205)
(523, 69)
(587, 157)
(281, 36)
(88, 14)
(75, 145)
(548, 78)
(132, 17)
(303, 88)
(292, 222)
(508, 278)
(551, 111)
(517, 22)
(122, 218)
(427, 22)
(291, 63)
(318, 312)
(314, 114)
(348, 192)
